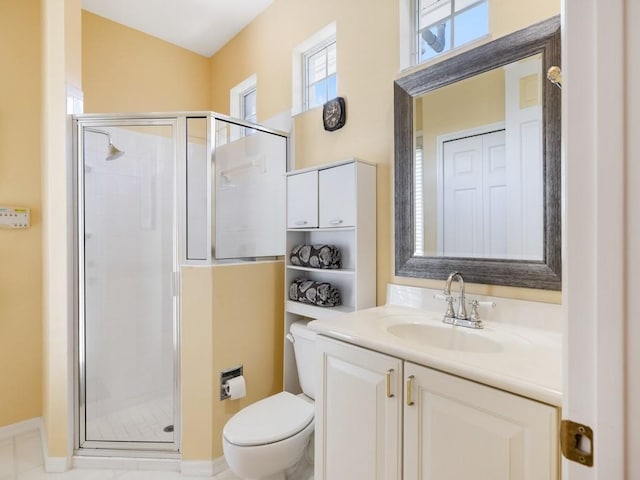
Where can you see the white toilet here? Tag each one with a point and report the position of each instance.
(266, 438)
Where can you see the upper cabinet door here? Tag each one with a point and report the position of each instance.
(302, 200)
(338, 196)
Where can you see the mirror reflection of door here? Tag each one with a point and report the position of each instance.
(474, 197)
(480, 175)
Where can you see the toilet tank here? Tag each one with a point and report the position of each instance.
(304, 347)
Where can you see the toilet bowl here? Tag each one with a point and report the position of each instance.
(266, 438)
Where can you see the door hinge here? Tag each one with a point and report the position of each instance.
(576, 442)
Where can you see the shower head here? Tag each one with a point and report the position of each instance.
(113, 152)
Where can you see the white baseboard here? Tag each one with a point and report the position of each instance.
(203, 468)
(52, 464)
(126, 463)
(56, 464)
(219, 465)
(15, 429)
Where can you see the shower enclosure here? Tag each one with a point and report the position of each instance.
(154, 192)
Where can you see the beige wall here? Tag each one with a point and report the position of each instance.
(231, 315)
(21, 272)
(73, 44)
(368, 62)
(507, 16)
(196, 338)
(124, 70)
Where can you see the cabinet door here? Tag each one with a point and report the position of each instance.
(338, 196)
(302, 200)
(457, 430)
(358, 414)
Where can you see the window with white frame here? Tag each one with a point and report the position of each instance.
(314, 72)
(243, 105)
(249, 110)
(320, 76)
(249, 101)
(442, 25)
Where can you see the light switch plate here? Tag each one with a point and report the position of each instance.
(14, 217)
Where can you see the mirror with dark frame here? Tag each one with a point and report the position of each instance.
(477, 164)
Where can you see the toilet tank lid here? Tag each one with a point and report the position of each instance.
(300, 329)
(269, 420)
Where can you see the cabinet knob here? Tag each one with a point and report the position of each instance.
(301, 222)
(337, 221)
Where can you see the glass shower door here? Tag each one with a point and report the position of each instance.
(128, 299)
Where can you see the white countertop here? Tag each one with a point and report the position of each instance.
(529, 364)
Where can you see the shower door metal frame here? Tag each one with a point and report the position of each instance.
(82, 446)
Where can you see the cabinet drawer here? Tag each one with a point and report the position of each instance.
(337, 186)
(302, 200)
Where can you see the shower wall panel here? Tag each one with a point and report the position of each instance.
(249, 201)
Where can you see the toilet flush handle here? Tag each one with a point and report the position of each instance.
(289, 337)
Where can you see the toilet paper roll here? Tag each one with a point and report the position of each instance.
(236, 387)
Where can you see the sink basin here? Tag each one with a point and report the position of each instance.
(446, 337)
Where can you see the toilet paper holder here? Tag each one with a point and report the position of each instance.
(225, 376)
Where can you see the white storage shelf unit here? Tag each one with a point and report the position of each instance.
(334, 204)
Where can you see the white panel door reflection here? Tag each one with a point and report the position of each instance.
(490, 208)
(474, 197)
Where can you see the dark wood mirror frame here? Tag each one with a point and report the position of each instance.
(544, 38)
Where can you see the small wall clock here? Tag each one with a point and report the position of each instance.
(334, 114)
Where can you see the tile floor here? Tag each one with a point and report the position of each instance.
(21, 459)
(142, 421)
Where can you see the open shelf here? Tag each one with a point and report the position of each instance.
(333, 271)
(313, 311)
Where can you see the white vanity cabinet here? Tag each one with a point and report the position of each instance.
(358, 414)
(456, 429)
(447, 427)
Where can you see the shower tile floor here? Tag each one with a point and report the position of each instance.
(21, 459)
(143, 421)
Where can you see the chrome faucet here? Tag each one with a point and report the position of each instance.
(460, 317)
(462, 310)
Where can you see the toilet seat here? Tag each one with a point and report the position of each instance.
(269, 420)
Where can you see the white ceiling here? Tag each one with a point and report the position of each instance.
(202, 26)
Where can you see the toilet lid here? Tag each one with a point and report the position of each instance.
(270, 420)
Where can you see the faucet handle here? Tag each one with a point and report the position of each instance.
(475, 315)
(443, 296)
(449, 299)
